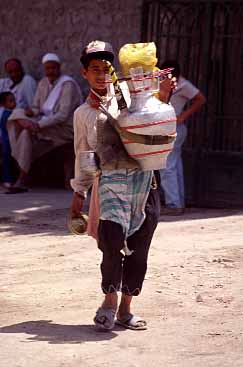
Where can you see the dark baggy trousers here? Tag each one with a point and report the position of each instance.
(126, 273)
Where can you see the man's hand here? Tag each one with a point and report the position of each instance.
(76, 205)
(166, 87)
(29, 125)
(29, 112)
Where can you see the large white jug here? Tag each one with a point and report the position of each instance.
(148, 116)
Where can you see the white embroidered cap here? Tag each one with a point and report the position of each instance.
(50, 57)
(99, 49)
(99, 46)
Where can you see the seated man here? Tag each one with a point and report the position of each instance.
(22, 85)
(34, 132)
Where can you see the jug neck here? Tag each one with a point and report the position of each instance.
(139, 100)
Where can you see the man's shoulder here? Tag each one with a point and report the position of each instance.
(29, 78)
(68, 80)
(43, 82)
(28, 83)
(5, 84)
(85, 114)
(70, 83)
(185, 87)
(182, 82)
(82, 109)
(185, 83)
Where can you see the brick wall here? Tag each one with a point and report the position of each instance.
(30, 28)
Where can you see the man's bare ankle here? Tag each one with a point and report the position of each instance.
(123, 311)
(110, 301)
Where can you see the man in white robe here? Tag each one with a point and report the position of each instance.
(48, 124)
(22, 85)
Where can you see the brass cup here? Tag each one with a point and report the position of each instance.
(78, 225)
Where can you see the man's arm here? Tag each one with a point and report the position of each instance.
(29, 89)
(67, 104)
(195, 105)
(81, 181)
(35, 108)
(166, 88)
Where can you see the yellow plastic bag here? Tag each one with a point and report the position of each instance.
(133, 55)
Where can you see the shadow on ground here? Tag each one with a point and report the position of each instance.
(45, 222)
(201, 213)
(40, 212)
(45, 213)
(45, 330)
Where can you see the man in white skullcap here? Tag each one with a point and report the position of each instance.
(48, 123)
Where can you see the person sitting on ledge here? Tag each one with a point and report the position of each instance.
(48, 124)
(22, 85)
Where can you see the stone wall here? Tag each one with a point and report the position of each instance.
(30, 28)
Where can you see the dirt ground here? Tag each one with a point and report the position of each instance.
(50, 288)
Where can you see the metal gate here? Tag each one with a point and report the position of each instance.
(206, 37)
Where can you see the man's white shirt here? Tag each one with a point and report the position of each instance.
(184, 92)
(24, 91)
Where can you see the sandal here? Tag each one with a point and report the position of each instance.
(132, 322)
(104, 319)
(16, 190)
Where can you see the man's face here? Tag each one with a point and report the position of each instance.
(96, 75)
(52, 70)
(14, 70)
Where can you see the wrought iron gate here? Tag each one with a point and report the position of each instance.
(206, 37)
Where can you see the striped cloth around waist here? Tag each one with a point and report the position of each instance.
(123, 194)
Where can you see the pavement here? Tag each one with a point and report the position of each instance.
(37, 199)
(50, 289)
